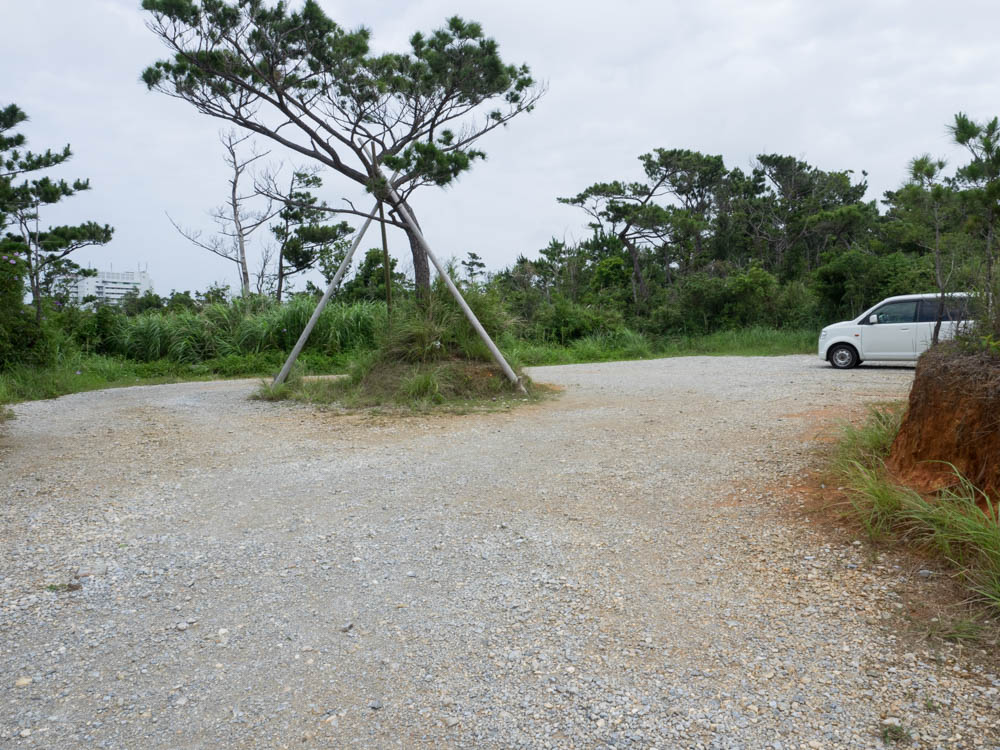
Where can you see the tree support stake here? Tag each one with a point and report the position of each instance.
(344, 264)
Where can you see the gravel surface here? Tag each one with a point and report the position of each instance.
(181, 567)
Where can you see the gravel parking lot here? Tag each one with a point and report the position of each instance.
(622, 566)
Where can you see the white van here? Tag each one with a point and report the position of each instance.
(897, 328)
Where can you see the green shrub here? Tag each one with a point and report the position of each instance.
(21, 338)
(796, 306)
(420, 333)
(422, 386)
(562, 321)
(849, 281)
(351, 327)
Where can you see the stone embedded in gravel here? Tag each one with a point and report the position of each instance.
(93, 569)
(181, 626)
(346, 627)
(23, 682)
(375, 705)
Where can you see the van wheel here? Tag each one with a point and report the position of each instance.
(843, 357)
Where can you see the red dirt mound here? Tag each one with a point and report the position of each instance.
(953, 416)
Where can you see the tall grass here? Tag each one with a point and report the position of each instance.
(244, 328)
(869, 444)
(958, 523)
(252, 336)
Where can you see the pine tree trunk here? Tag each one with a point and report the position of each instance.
(990, 291)
(938, 277)
(421, 266)
(36, 292)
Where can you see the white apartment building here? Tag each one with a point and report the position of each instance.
(111, 286)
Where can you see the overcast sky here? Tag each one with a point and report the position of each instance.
(862, 85)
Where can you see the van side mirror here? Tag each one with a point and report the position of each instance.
(873, 318)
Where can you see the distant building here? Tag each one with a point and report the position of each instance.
(111, 286)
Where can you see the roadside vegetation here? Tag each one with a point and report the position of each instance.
(113, 346)
(678, 254)
(85, 349)
(957, 525)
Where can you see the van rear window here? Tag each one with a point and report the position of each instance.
(955, 309)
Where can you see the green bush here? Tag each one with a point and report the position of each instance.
(21, 338)
(852, 280)
(422, 334)
(796, 307)
(562, 321)
(702, 303)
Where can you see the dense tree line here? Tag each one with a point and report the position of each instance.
(692, 246)
(696, 247)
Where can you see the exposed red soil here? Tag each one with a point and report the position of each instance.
(953, 419)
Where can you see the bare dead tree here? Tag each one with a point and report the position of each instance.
(264, 278)
(236, 219)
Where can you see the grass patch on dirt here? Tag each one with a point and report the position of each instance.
(957, 526)
(448, 385)
(90, 372)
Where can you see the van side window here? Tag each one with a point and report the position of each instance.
(897, 312)
(956, 309)
(927, 312)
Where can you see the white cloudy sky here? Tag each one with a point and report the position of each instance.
(855, 84)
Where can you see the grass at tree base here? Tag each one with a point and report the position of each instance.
(452, 385)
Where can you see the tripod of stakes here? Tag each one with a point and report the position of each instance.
(404, 214)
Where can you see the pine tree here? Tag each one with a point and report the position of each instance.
(43, 253)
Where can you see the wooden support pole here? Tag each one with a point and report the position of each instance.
(385, 260)
(344, 264)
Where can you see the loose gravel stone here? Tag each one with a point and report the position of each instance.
(614, 568)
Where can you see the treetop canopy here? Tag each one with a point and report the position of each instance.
(299, 78)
